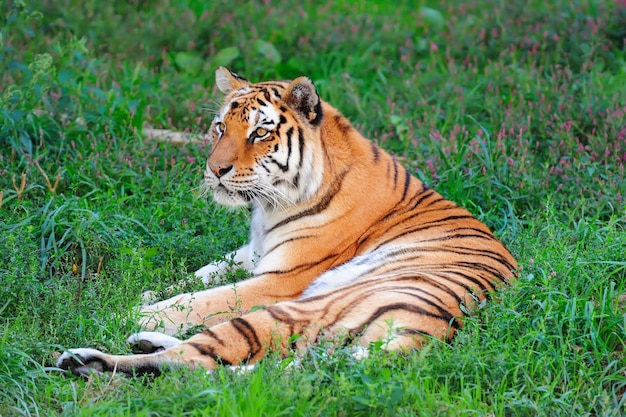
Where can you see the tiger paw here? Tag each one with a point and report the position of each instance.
(148, 297)
(151, 342)
(82, 361)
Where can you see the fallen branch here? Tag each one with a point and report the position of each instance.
(162, 135)
(51, 188)
(159, 135)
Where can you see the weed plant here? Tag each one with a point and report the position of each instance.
(516, 110)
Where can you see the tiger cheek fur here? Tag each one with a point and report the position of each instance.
(344, 241)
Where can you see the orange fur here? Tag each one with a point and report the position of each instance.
(343, 241)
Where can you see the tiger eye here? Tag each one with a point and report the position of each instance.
(220, 127)
(261, 131)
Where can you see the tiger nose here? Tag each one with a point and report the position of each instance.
(220, 170)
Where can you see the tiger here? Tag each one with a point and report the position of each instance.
(345, 244)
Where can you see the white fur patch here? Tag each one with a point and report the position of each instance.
(349, 272)
(241, 369)
(85, 354)
(157, 339)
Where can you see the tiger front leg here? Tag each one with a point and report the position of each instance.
(212, 273)
(209, 307)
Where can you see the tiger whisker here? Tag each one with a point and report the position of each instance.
(277, 199)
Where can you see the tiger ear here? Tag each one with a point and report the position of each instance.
(302, 96)
(228, 81)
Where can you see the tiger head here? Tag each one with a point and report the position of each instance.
(265, 139)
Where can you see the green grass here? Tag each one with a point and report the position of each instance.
(516, 110)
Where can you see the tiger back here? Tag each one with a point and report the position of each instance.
(343, 241)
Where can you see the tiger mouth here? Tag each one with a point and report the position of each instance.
(237, 194)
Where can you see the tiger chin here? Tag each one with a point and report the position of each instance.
(343, 241)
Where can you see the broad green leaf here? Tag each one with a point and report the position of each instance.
(432, 17)
(225, 57)
(268, 50)
(188, 61)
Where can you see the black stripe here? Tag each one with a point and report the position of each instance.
(301, 144)
(437, 200)
(281, 121)
(289, 134)
(343, 125)
(487, 286)
(413, 331)
(395, 172)
(248, 332)
(352, 287)
(298, 267)
(427, 193)
(482, 233)
(482, 267)
(421, 227)
(437, 285)
(451, 236)
(287, 318)
(496, 256)
(280, 315)
(444, 275)
(212, 334)
(319, 207)
(409, 288)
(407, 181)
(397, 208)
(398, 306)
(444, 220)
(208, 351)
(375, 151)
(404, 306)
(423, 277)
(282, 167)
(444, 312)
(418, 212)
(262, 164)
(287, 241)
